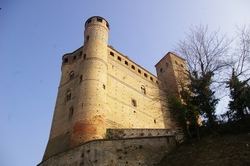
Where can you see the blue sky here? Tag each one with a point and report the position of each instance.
(34, 35)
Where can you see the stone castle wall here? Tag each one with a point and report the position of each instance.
(117, 152)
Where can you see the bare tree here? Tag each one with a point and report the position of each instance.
(204, 52)
(240, 60)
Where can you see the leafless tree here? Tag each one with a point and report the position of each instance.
(240, 60)
(204, 51)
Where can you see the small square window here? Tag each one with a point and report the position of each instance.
(133, 67)
(126, 62)
(119, 58)
(65, 60)
(111, 53)
(151, 78)
(139, 71)
(99, 19)
(145, 74)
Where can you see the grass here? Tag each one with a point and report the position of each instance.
(220, 150)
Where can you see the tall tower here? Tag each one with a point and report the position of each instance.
(171, 69)
(81, 103)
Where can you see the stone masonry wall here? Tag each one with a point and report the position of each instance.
(115, 152)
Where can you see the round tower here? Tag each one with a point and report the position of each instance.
(89, 119)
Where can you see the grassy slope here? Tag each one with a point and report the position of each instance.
(227, 150)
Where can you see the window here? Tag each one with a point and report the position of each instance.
(66, 60)
(156, 82)
(161, 70)
(139, 71)
(104, 87)
(87, 38)
(89, 21)
(71, 111)
(84, 56)
(80, 80)
(151, 78)
(119, 58)
(133, 102)
(74, 57)
(126, 62)
(71, 75)
(133, 67)
(99, 19)
(145, 74)
(80, 54)
(176, 62)
(68, 97)
(143, 90)
(111, 53)
(167, 64)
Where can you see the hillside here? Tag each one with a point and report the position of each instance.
(226, 150)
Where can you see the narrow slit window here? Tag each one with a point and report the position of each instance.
(71, 75)
(71, 111)
(68, 96)
(143, 90)
(80, 80)
(84, 56)
(133, 102)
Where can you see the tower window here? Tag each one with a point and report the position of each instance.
(145, 74)
(151, 78)
(133, 67)
(89, 21)
(139, 71)
(143, 90)
(167, 64)
(68, 97)
(133, 102)
(66, 60)
(99, 19)
(71, 75)
(161, 70)
(87, 38)
(80, 54)
(80, 78)
(74, 57)
(126, 62)
(71, 111)
(119, 58)
(84, 56)
(111, 53)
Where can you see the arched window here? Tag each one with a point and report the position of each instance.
(143, 90)
(71, 75)
(68, 96)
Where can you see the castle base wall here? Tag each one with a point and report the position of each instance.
(115, 152)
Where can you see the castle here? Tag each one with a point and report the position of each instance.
(110, 110)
